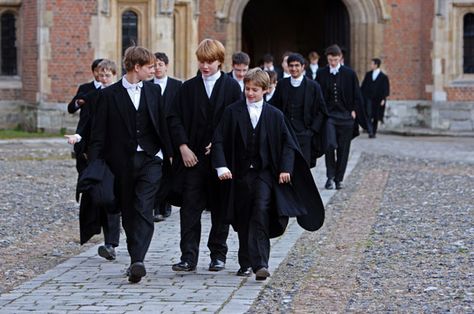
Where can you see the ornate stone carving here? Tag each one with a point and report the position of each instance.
(105, 7)
(165, 7)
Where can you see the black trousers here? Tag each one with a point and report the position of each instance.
(339, 136)
(201, 191)
(137, 220)
(111, 228)
(253, 197)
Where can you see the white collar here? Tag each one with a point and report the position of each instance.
(295, 82)
(129, 85)
(376, 72)
(214, 77)
(257, 105)
(334, 70)
(160, 80)
(313, 67)
(97, 84)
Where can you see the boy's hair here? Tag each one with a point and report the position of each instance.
(267, 58)
(108, 65)
(296, 57)
(259, 77)
(240, 58)
(313, 55)
(137, 55)
(377, 62)
(210, 50)
(95, 63)
(333, 50)
(162, 57)
(272, 75)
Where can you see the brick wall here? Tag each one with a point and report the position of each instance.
(407, 48)
(71, 51)
(464, 93)
(29, 51)
(209, 27)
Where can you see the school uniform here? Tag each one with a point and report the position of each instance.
(302, 102)
(254, 142)
(375, 88)
(127, 132)
(311, 71)
(195, 113)
(81, 92)
(341, 92)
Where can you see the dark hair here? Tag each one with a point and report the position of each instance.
(377, 62)
(162, 57)
(240, 58)
(95, 63)
(267, 58)
(333, 50)
(313, 55)
(273, 76)
(296, 57)
(137, 55)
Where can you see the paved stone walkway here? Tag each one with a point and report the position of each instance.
(89, 284)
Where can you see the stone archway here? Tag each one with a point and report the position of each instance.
(366, 24)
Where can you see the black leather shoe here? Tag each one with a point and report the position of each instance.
(262, 274)
(165, 210)
(137, 271)
(329, 184)
(244, 272)
(372, 135)
(216, 265)
(183, 266)
(107, 251)
(339, 185)
(158, 218)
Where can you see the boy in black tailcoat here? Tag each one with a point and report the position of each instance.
(264, 174)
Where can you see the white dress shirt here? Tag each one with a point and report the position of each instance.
(285, 75)
(210, 81)
(241, 82)
(255, 111)
(335, 70)
(162, 82)
(314, 69)
(296, 82)
(375, 73)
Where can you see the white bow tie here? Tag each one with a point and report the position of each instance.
(334, 71)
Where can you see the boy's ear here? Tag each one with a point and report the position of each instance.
(137, 67)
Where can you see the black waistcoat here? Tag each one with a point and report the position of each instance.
(336, 107)
(146, 135)
(295, 107)
(250, 158)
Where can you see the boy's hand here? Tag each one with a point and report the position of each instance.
(353, 114)
(80, 102)
(189, 158)
(284, 178)
(71, 139)
(226, 176)
(208, 149)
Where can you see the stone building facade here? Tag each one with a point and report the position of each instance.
(426, 47)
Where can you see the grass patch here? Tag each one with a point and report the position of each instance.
(13, 134)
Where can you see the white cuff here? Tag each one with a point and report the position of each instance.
(222, 170)
(78, 138)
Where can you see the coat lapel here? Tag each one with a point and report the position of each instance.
(242, 121)
(151, 105)
(122, 100)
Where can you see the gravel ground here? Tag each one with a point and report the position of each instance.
(38, 213)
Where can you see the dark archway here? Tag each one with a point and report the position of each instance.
(276, 26)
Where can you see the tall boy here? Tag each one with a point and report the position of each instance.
(256, 151)
(240, 66)
(341, 91)
(169, 89)
(127, 132)
(90, 222)
(301, 100)
(196, 111)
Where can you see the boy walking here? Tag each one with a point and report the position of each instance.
(197, 109)
(127, 132)
(256, 157)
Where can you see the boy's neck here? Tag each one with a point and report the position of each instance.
(132, 77)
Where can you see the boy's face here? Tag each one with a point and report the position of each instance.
(106, 77)
(295, 68)
(240, 70)
(334, 60)
(145, 72)
(160, 69)
(314, 61)
(209, 68)
(268, 65)
(373, 66)
(96, 74)
(253, 92)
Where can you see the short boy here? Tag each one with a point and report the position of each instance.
(257, 158)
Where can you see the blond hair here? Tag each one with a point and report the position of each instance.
(210, 50)
(259, 77)
(107, 65)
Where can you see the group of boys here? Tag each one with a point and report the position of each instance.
(230, 143)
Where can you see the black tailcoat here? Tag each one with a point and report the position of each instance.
(114, 138)
(189, 122)
(377, 91)
(351, 94)
(81, 92)
(315, 112)
(300, 199)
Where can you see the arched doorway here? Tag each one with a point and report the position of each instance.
(275, 26)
